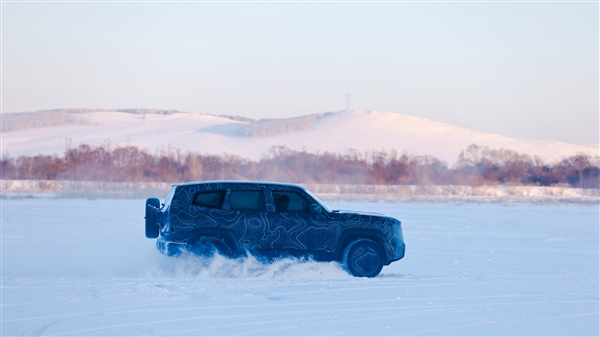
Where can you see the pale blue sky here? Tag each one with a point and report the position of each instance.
(527, 70)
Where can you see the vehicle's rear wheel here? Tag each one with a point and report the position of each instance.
(363, 258)
(152, 229)
(208, 246)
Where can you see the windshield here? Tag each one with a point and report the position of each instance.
(319, 201)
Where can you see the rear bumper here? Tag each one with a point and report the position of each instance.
(169, 248)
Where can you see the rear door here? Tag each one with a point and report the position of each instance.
(251, 217)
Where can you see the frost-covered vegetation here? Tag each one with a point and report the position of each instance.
(57, 117)
(275, 127)
(40, 119)
(476, 166)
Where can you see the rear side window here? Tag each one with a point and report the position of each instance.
(247, 201)
(212, 199)
(290, 202)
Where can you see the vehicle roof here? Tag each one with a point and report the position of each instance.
(238, 182)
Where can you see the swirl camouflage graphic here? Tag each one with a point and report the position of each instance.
(271, 220)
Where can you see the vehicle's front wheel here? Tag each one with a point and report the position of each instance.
(208, 246)
(363, 258)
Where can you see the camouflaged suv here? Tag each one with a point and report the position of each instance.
(270, 220)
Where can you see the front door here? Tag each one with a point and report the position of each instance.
(296, 230)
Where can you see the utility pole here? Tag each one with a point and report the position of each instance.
(347, 102)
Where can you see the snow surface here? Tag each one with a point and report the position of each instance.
(347, 192)
(335, 132)
(84, 267)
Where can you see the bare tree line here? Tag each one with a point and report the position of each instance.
(476, 166)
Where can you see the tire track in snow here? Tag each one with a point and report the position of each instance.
(504, 321)
(120, 310)
(410, 309)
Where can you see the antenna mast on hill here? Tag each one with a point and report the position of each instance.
(347, 102)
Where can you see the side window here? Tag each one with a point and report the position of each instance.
(290, 202)
(212, 199)
(247, 201)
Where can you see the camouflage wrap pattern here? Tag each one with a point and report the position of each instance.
(320, 234)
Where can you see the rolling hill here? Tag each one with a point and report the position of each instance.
(341, 131)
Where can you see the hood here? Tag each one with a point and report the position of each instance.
(343, 211)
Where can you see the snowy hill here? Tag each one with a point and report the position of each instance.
(209, 134)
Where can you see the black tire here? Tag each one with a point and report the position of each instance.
(152, 229)
(363, 258)
(208, 246)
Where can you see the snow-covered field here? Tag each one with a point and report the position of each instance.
(354, 192)
(84, 267)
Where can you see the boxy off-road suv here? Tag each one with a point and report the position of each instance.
(270, 220)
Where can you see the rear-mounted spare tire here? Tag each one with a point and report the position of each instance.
(152, 207)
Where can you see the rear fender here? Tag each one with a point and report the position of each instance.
(215, 233)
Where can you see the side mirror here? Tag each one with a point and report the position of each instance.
(314, 208)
